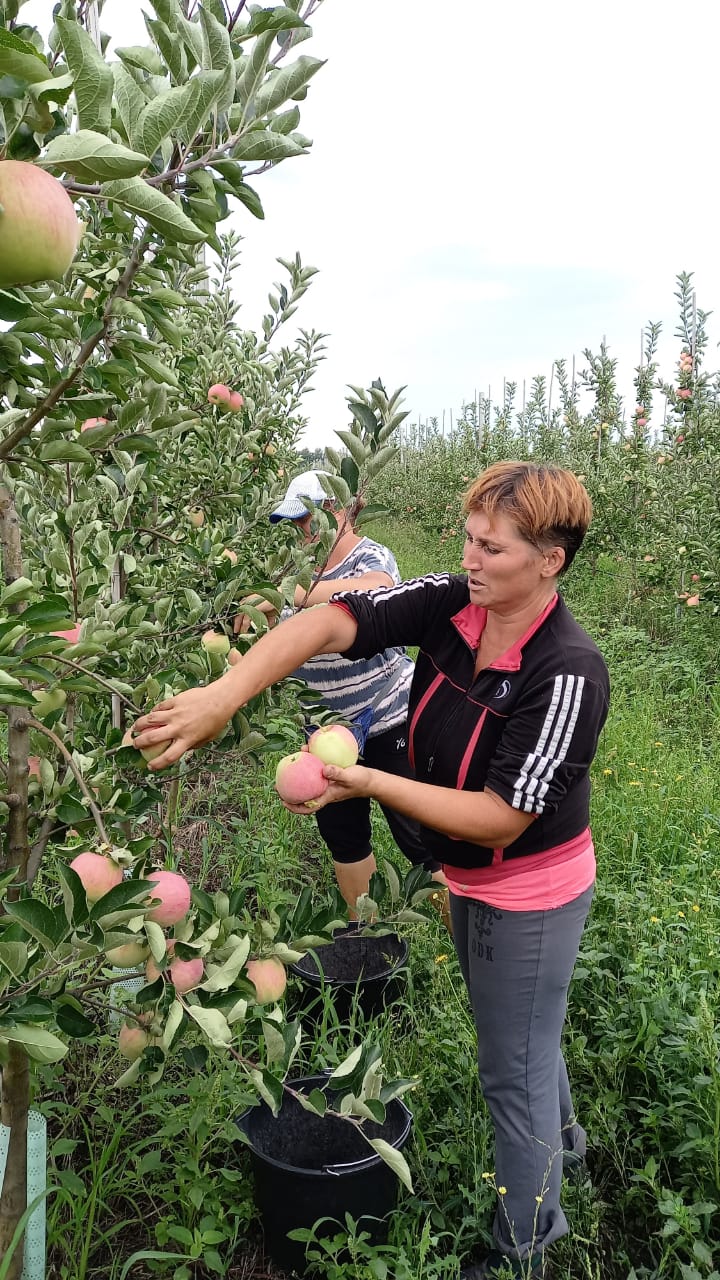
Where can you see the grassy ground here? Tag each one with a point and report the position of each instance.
(161, 1173)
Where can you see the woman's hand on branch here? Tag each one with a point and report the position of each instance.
(187, 720)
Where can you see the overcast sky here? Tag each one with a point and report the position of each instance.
(491, 186)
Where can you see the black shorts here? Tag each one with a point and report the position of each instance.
(345, 826)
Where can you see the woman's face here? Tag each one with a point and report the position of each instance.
(504, 571)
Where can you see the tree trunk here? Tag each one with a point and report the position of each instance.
(13, 1200)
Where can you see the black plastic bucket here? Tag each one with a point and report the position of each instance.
(307, 1167)
(373, 965)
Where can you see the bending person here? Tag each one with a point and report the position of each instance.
(508, 699)
(371, 693)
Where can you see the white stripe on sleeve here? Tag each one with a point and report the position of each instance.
(533, 781)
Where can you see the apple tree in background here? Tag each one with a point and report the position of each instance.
(144, 438)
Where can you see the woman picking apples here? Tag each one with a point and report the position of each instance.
(374, 689)
(508, 700)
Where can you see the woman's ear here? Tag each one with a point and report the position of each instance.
(553, 562)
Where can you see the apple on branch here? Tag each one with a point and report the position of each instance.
(224, 398)
(148, 753)
(39, 229)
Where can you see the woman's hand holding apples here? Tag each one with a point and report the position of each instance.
(343, 784)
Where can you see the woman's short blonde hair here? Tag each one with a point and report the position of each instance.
(549, 505)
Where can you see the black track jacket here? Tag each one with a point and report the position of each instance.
(527, 728)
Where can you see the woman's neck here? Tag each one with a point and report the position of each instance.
(503, 629)
(346, 540)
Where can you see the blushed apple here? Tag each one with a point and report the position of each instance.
(334, 744)
(98, 874)
(173, 891)
(39, 229)
(268, 977)
(299, 778)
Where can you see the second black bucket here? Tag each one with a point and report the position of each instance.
(307, 1167)
(371, 964)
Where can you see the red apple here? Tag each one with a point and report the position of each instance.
(98, 874)
(184, 974)
(173, 891)
(299, 778)
(39, 229)
(89, 423)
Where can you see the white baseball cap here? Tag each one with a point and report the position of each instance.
(292, 507)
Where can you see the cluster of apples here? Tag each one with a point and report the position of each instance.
(300, 777)
(172, 896)
(225, 399)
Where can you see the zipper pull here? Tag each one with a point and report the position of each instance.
(430, 764)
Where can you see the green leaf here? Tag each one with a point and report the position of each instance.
(74, 896)
(394, 1159)
(46, 926)
(267, 146)
(213, 1024)
(142, 57)
(350, 474)
(217, 50)
(41, 1046)
(278, 19)
(92, 77)
(48, 615)
(65, 451)
(156, 369)
(12, 308)
(89, 155)
(20, 589)
(73, 1021)
(171, 47)
(253, 74)
(224, 975)
(120, 902)
(13, 957)
(348, 1065)
(20, 58)
(157, 209)
(357, 450)
(208, 87)
(285, 82)
(129, 100)
(269, 1088)
(166, 115)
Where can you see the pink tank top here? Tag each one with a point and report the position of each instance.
(538, 882)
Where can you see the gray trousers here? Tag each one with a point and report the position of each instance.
(517, 967)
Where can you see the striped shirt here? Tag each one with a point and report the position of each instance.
(349, 687)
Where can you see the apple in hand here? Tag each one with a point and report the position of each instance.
(148, 753)
(299, 778)
(334, 744)
(216, 642)
(39, 229)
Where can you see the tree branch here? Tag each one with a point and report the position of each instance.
(41, 728)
